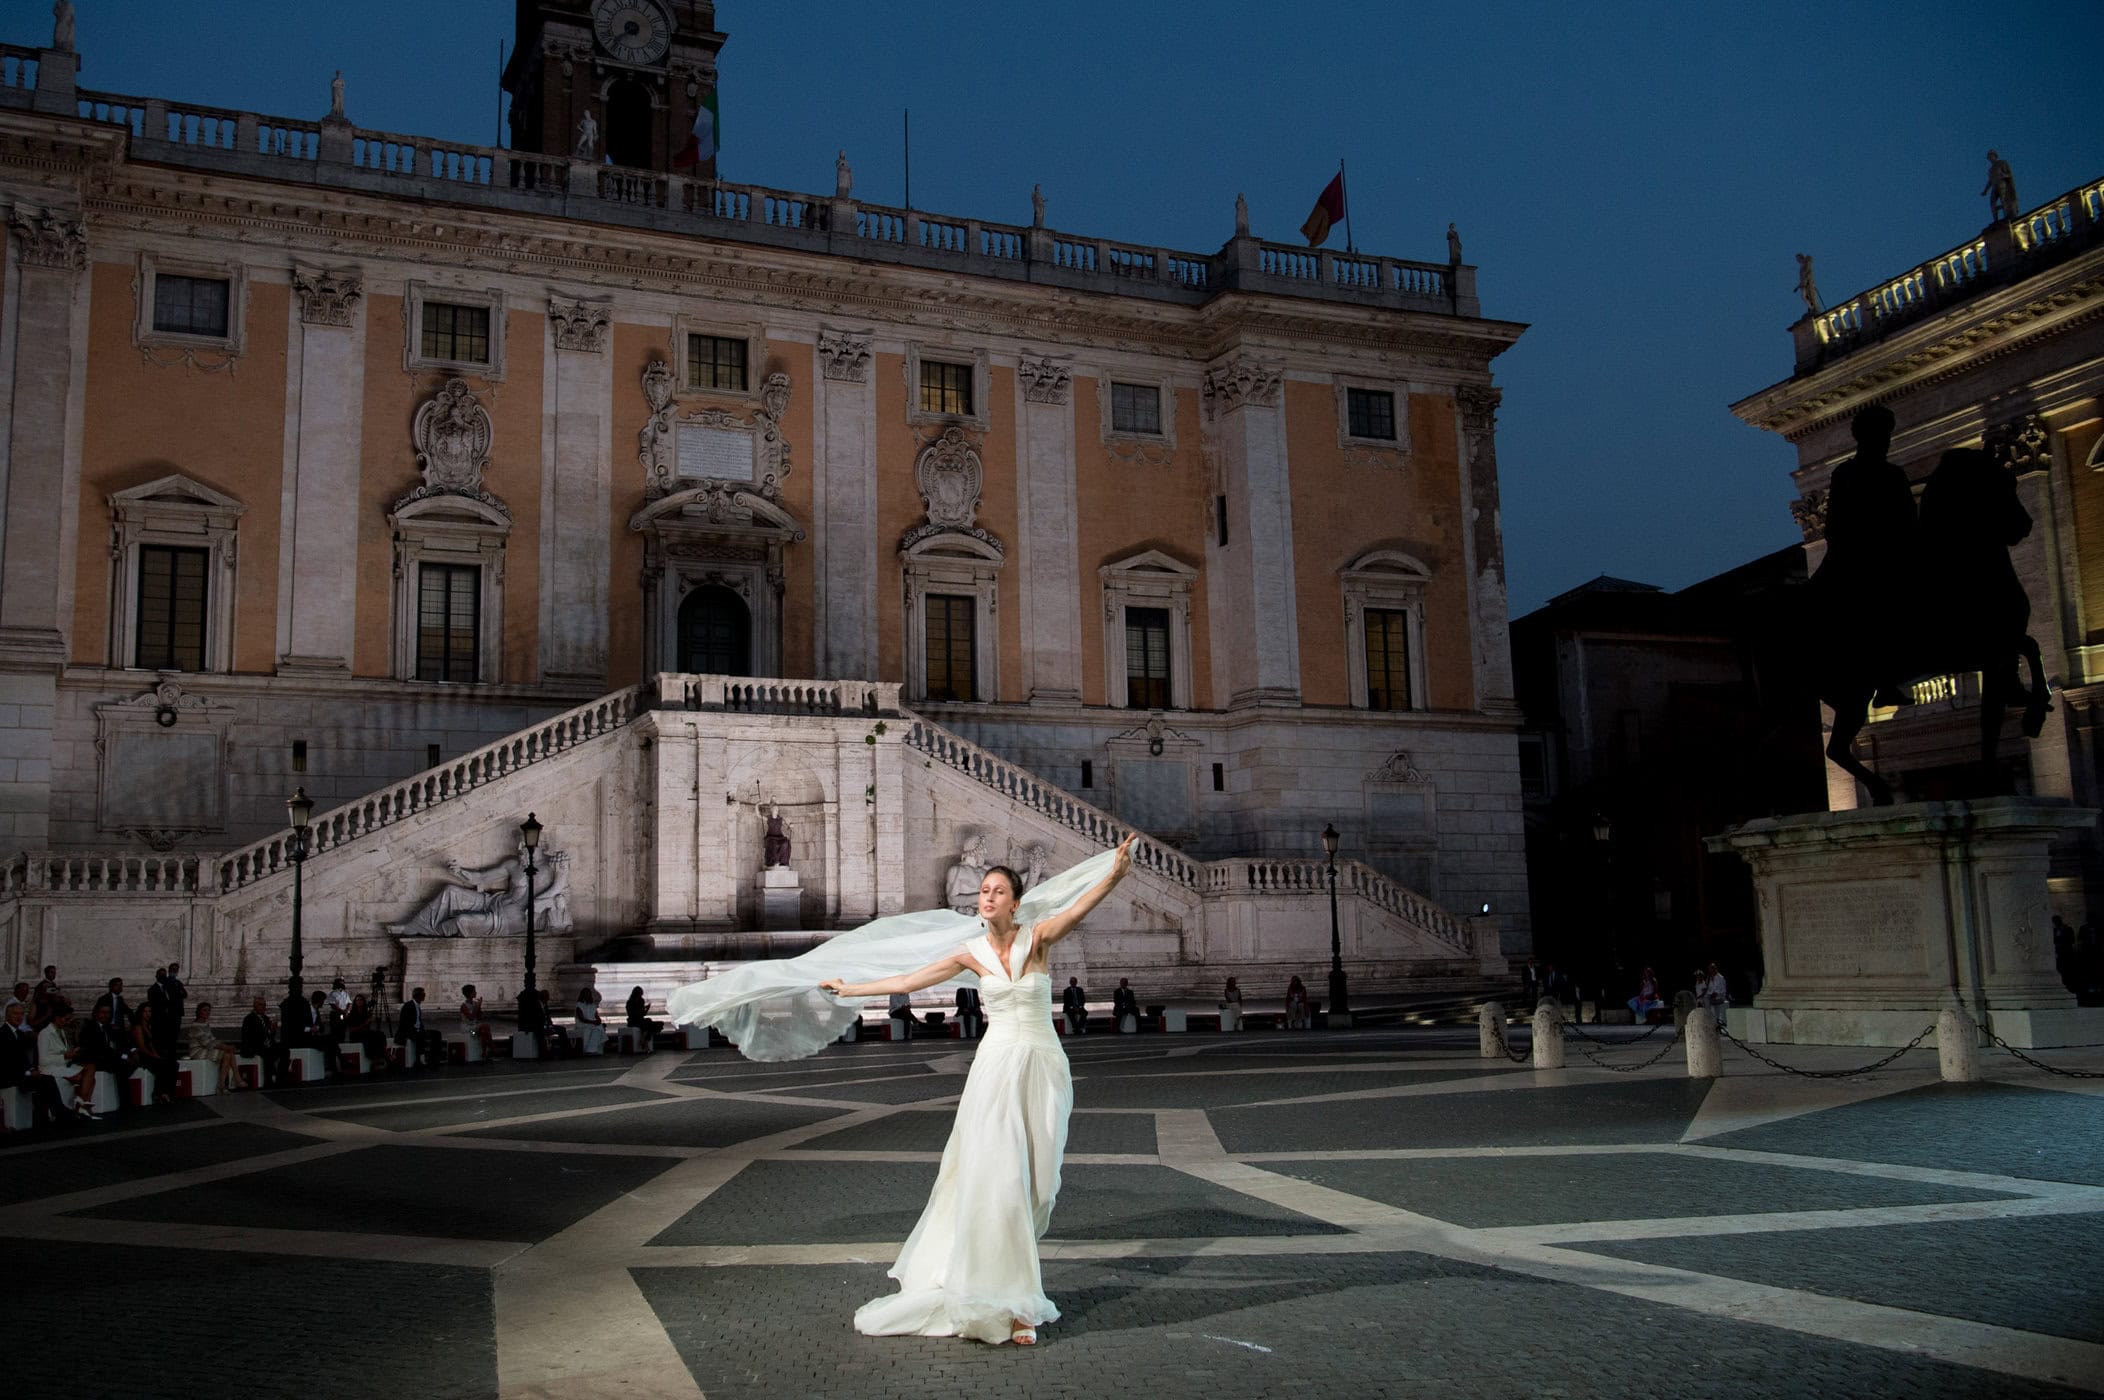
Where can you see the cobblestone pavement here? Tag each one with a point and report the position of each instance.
(1374, 1212)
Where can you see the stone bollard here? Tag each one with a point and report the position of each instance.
(1683, 1007)
(1957, 1047)
(1490, 1030)
(1548, 1034)
(1705, 1047)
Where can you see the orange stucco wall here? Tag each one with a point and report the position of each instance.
(1128, 507)
(1343, 508)
(223, 428)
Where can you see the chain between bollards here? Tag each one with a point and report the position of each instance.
(1872, 1067)
(2002, 1044)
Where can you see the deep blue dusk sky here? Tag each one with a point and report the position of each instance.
(1631, 179)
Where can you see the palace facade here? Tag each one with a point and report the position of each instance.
(339, 459)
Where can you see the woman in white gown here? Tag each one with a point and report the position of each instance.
(970, 1267)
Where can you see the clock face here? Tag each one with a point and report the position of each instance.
(633, 31)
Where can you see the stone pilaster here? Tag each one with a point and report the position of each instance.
(1048, 507)
(576, 492)
(1254, 571)
(844, 488)
(1491, 642)
(324, 423)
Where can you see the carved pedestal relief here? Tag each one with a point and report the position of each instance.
(1402, 824)
(714, 522)
(451, 520)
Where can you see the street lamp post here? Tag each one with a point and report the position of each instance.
(1340, 998)
(530, 837)
(300, 808)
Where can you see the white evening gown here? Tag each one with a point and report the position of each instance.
(970, 1267)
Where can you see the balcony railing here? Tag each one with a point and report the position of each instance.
(338, 153)
(2004, 253)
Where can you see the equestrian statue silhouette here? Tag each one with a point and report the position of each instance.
(1902, 596)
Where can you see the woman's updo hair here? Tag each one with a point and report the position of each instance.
(1015, 881)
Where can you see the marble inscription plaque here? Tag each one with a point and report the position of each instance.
(1858, 928)
(717, 454)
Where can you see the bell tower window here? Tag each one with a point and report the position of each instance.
(628, 124)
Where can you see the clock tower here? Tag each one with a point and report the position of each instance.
(639, 69)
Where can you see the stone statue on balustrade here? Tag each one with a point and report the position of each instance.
(775, 844)
(336, 96)
(1037, 206)
(1241, 216)
(62, 26)
(1806, 287)
(1453, 246)
(2000, 189)
(843, 177)
(491, 902)
(960, 888)
(587, 147)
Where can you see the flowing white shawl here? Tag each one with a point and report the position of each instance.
(774, 1011)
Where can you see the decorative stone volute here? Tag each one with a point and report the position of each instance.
(844, 355)
(580, 325)
(1241, 381)
(1045, 379)
(326, 297)
(47, 239)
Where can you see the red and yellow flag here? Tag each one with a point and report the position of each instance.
(1329, 209)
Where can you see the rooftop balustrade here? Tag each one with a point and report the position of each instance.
(2003, 253)
(338, 154)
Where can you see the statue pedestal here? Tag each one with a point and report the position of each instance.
(496, 965)
(1873, 921)
(780, 892)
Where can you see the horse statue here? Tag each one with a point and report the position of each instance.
(1902, 596)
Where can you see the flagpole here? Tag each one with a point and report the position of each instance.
(1344, 188)
(907, 116)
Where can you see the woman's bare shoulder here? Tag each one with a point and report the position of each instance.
(970, 958)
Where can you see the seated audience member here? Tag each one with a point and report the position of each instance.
(639, 1017)
(411, 1029)
(472, 1020)
(328, 1025)
(1125, 1002)
(1298, 1017)
(146, 1039)
(362, 1029)
(1074, 1003)
(259, 1041)
(901, 1004)
(588, 1017)
(107, 1050)
(339, 998)
(19, 1069)
(59, 1057)
(548, 1038)
(203, 1043)
(1646, 999)
(20, 994)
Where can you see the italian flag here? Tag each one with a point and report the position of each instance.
(702, 142)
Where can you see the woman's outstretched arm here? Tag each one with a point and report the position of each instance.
(934, 972)
(1050, 931)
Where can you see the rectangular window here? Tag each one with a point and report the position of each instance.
(1146, 658)
(1219, 777)
(1370, 413)
(456, 333)
(1534, 766)
(171, 634)
(431, 758)
(1088, 773)
(1387, 660)
(715, 362)
(945, 388)
(190, 305)
(448, 621)
(1220, 518)
(1136, 408)
(299, 755)
(952, 647)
